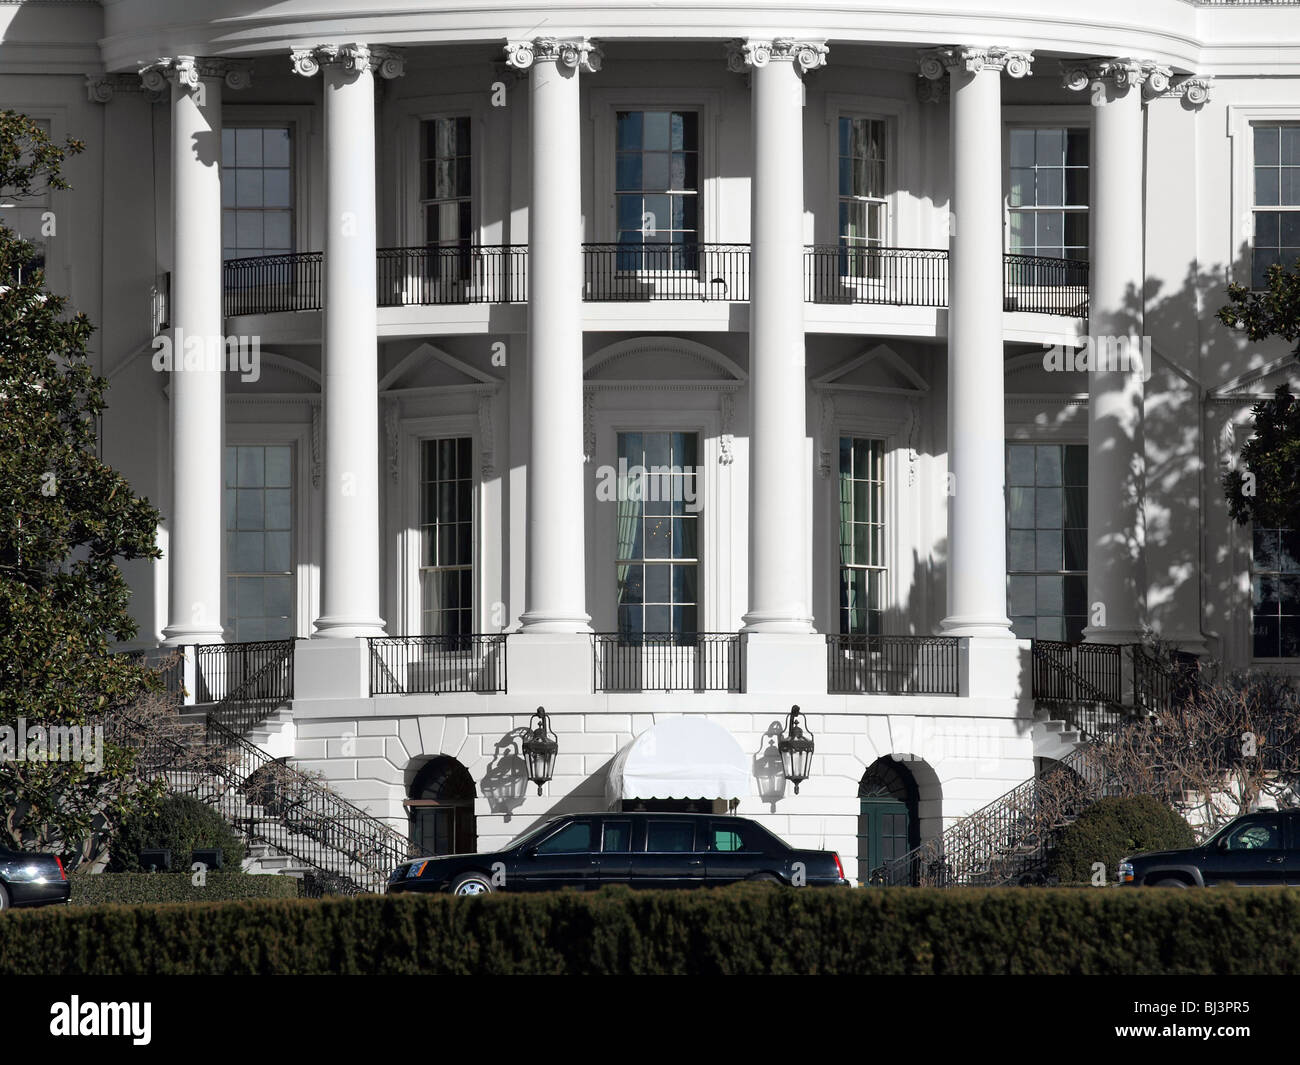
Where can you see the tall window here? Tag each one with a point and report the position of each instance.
(1049, 192)
(1047, 540)
(256, 192)
(26, 216)
(657, 556)
(657, 183)
(1275, 593)
(862, 207)
(862, 535)
(447, 537)
(259, 541)
(446, 197)
(1277, 199)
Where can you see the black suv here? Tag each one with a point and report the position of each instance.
(644, 850)
(1258, 848)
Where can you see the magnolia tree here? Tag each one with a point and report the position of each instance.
(1264, 488)
(66, 522)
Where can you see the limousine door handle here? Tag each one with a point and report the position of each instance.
(695, 861)
(1275, 860)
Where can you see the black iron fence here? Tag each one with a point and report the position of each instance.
(409, 665)
(266, 284)
(1046, 285)
(891, 665)
(1077, 672)
(907, 277)
(667, 661)
(226, 672)
(651, 271)
(469, 273)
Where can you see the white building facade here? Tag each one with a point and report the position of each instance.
(682, 362)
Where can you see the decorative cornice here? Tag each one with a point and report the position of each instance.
(726, 433)
(392, 424)
(101, 88)
(487, 435)
(588, 423)
(1195, 91)
(315, 445)
(577, 53)
(355, 58)
(187, 71)
(935, 62)
(1124, 74)
(743, 54)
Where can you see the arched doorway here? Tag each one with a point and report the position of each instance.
(888, 825)
(442, 808)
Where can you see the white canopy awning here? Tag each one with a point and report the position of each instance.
(681, 758)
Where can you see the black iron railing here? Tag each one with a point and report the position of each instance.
(1046, 285)
(269, 802)
(469, 273)
(266, 284)
(472, 273)
(1005, 842)
(1077, 672)
(639, 272)
(232, 671)
(908, 277)
(667, 661)
(891, 665)
(409, 665)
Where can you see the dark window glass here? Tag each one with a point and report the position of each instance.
(669, 836)
(618, 836)
(571, 839)
(1264, 834)
(1275, 593)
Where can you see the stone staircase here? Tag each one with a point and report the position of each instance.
(235, 755)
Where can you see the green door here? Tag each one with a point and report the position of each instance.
(884, 829)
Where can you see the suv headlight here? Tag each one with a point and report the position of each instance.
(1125, 871)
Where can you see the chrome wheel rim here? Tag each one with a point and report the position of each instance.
(472, 887)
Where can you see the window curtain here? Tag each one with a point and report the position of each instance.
(849, 593)
(629, 514)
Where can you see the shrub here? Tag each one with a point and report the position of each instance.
(97, 889)
(746, 929)
(1114, 828)
(182, 825)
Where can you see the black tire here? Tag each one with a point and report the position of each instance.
(1171, 881)
(4, 897)
(468, 884)
(765, 878)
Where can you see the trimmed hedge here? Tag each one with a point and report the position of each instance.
(97, 889)
(182, 824)
(1114, 828)
(745, 929)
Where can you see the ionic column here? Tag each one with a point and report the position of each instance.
(196, 387)
(350, 576)
(555, 586)
(977, 553)
(1116, 460)
(778, 469)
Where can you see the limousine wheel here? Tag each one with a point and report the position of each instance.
(765, 878)
(4, 898)
(471, 884)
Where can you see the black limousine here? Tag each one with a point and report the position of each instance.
(31, 879)
(642, 850)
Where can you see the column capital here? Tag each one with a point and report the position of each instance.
(1194, 91)
(355, 58)
(101, 88)
(188, 71)
(577, 53)
(746, 53)
(1122, 73)
(935, 62)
